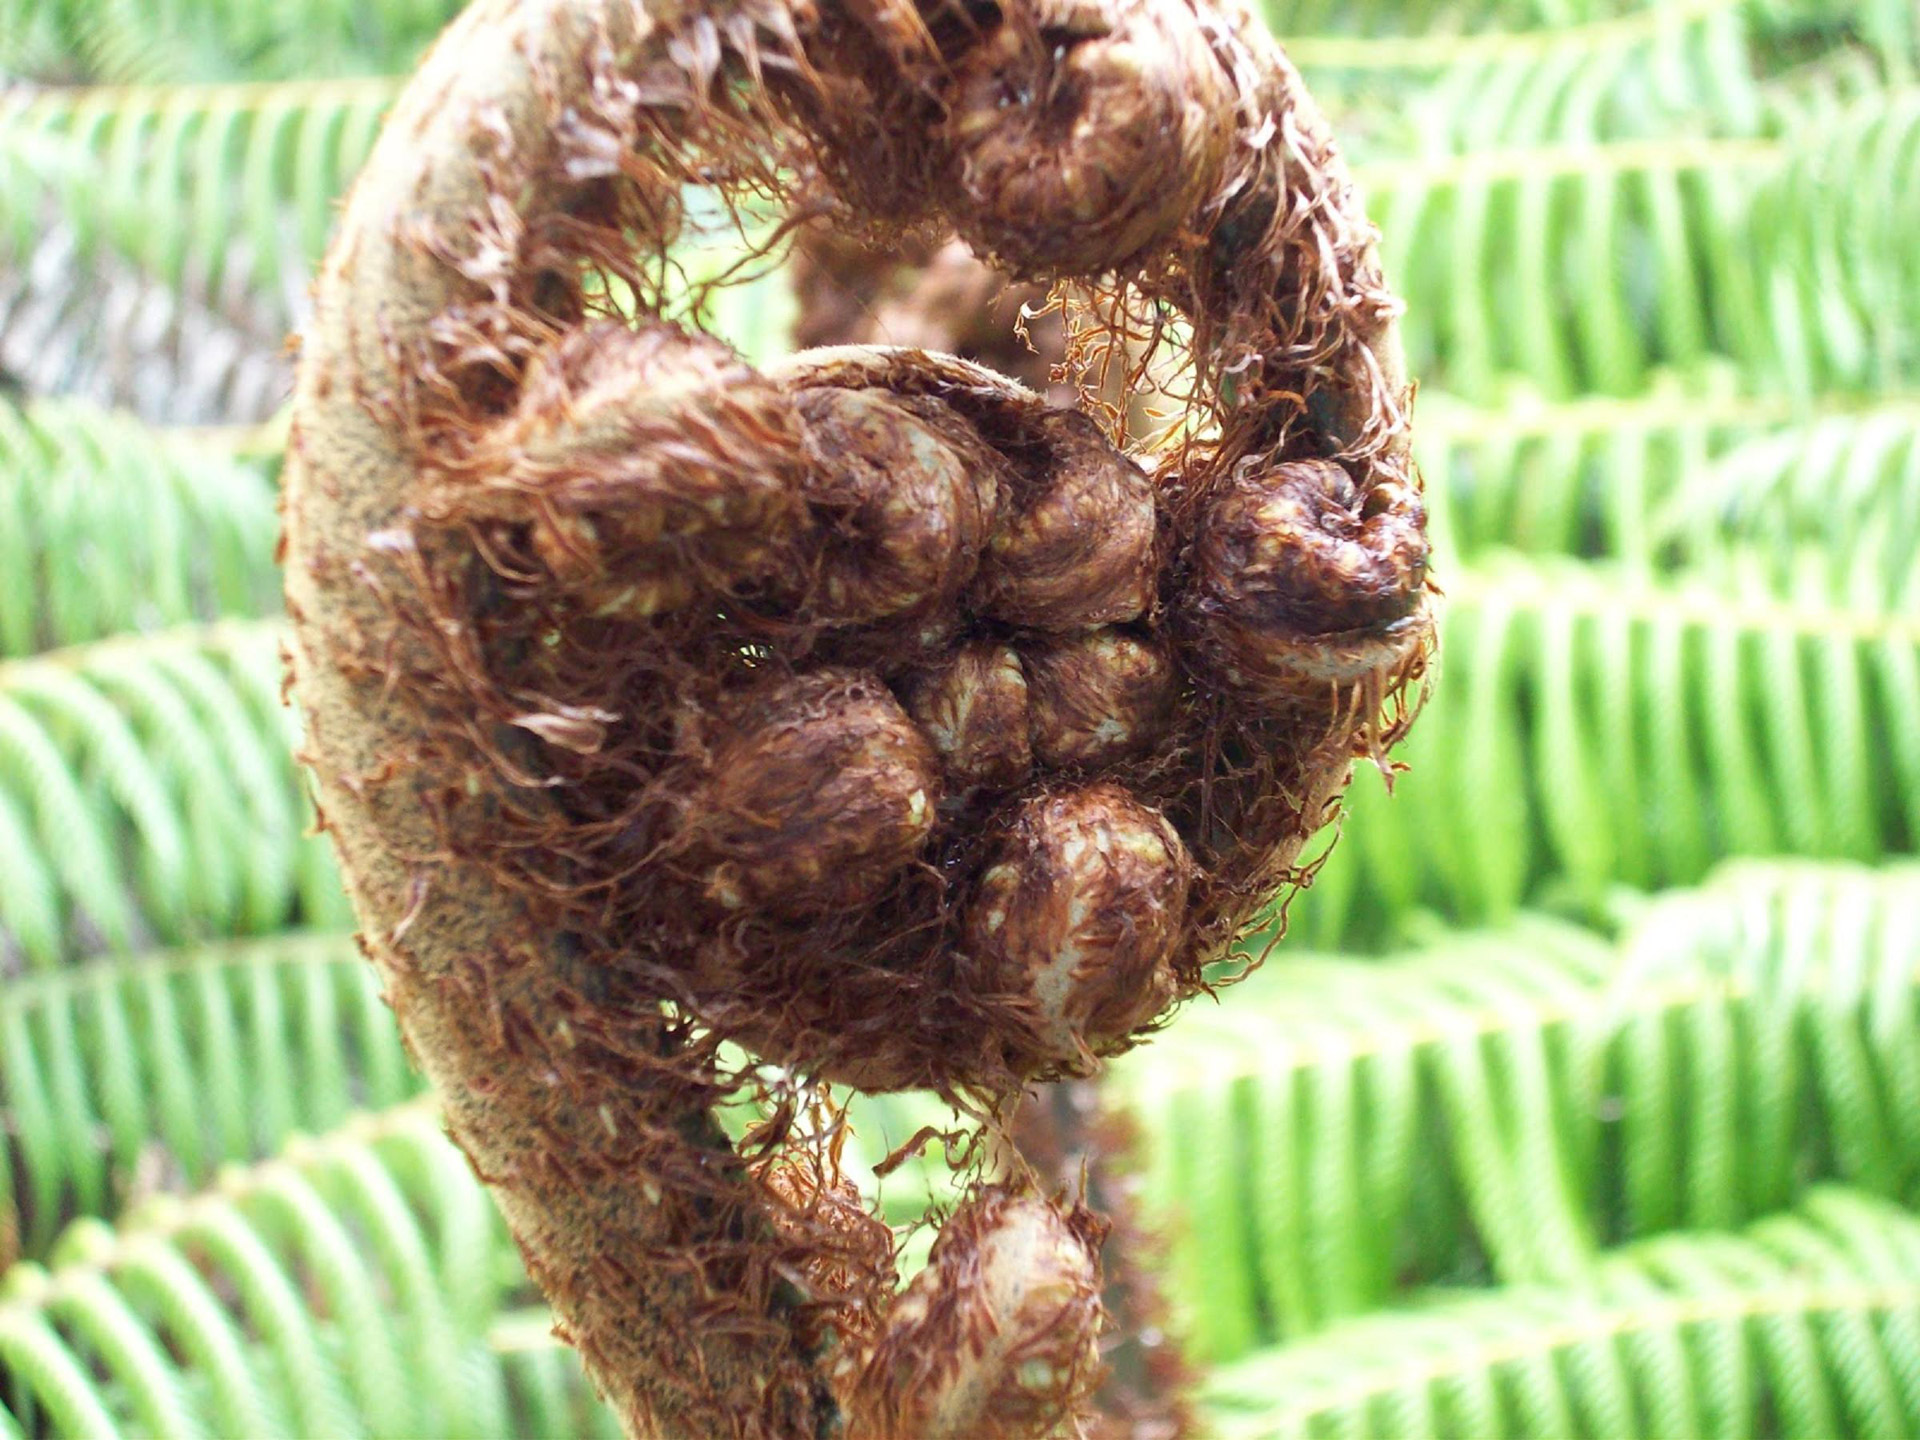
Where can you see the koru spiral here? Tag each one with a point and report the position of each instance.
(862, 714)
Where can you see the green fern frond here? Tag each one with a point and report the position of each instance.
(122, 1075)
(1400, 38)
(1833, 240)
(148, 794)
(1302, 1138)
(344, 1288)
(1439, 19)
(1677, 474)
(547, 1393)
(1483, 252)
(1807, 1324)
(1595, 727)
(1847, 484)
(1830, 957)
(1403, 32)
(1584, 267)
(107, 525)
(1665, 71)
(119, 41)
(1505, 1102)
(1553, 200)
(209, 185)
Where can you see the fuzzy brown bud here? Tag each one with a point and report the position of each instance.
(1299, 582)
(973, 707)
(1098, 697)
(1081, 912)
(1091, 138)
(997, 1338)
(658, 459)
(821, 791)
(904, 514)
(1077, 548)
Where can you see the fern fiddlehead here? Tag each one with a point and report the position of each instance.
(602, 638)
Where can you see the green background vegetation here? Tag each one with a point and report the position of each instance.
(1584, 1098)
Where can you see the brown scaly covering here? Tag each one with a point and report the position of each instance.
(580, 598)
(1082, 1147)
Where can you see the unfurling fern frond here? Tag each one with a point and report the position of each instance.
(1594, 727)
(1805, 1325)
(148, 794)
(121, 1076)
(107, 525)
(345, 1288)
(1507, 1102)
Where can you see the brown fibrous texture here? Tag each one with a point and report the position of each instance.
(1298, 581)
(1076, 547)
(998, 1337)
(819, 791)
(1098, 697)
(903, 513)
(1079, 1144)
(647, 692)
(973, 706)
(1079, 913)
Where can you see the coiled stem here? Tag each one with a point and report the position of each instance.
(616, 655)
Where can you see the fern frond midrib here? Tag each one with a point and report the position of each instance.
(1393, 1033)
(1609, 1005)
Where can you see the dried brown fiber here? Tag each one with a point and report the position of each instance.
(864, 710)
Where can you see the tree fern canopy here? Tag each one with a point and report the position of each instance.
(1583, 1096)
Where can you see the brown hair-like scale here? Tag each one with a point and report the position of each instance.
(648, 694)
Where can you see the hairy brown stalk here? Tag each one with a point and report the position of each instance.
(655, 702)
